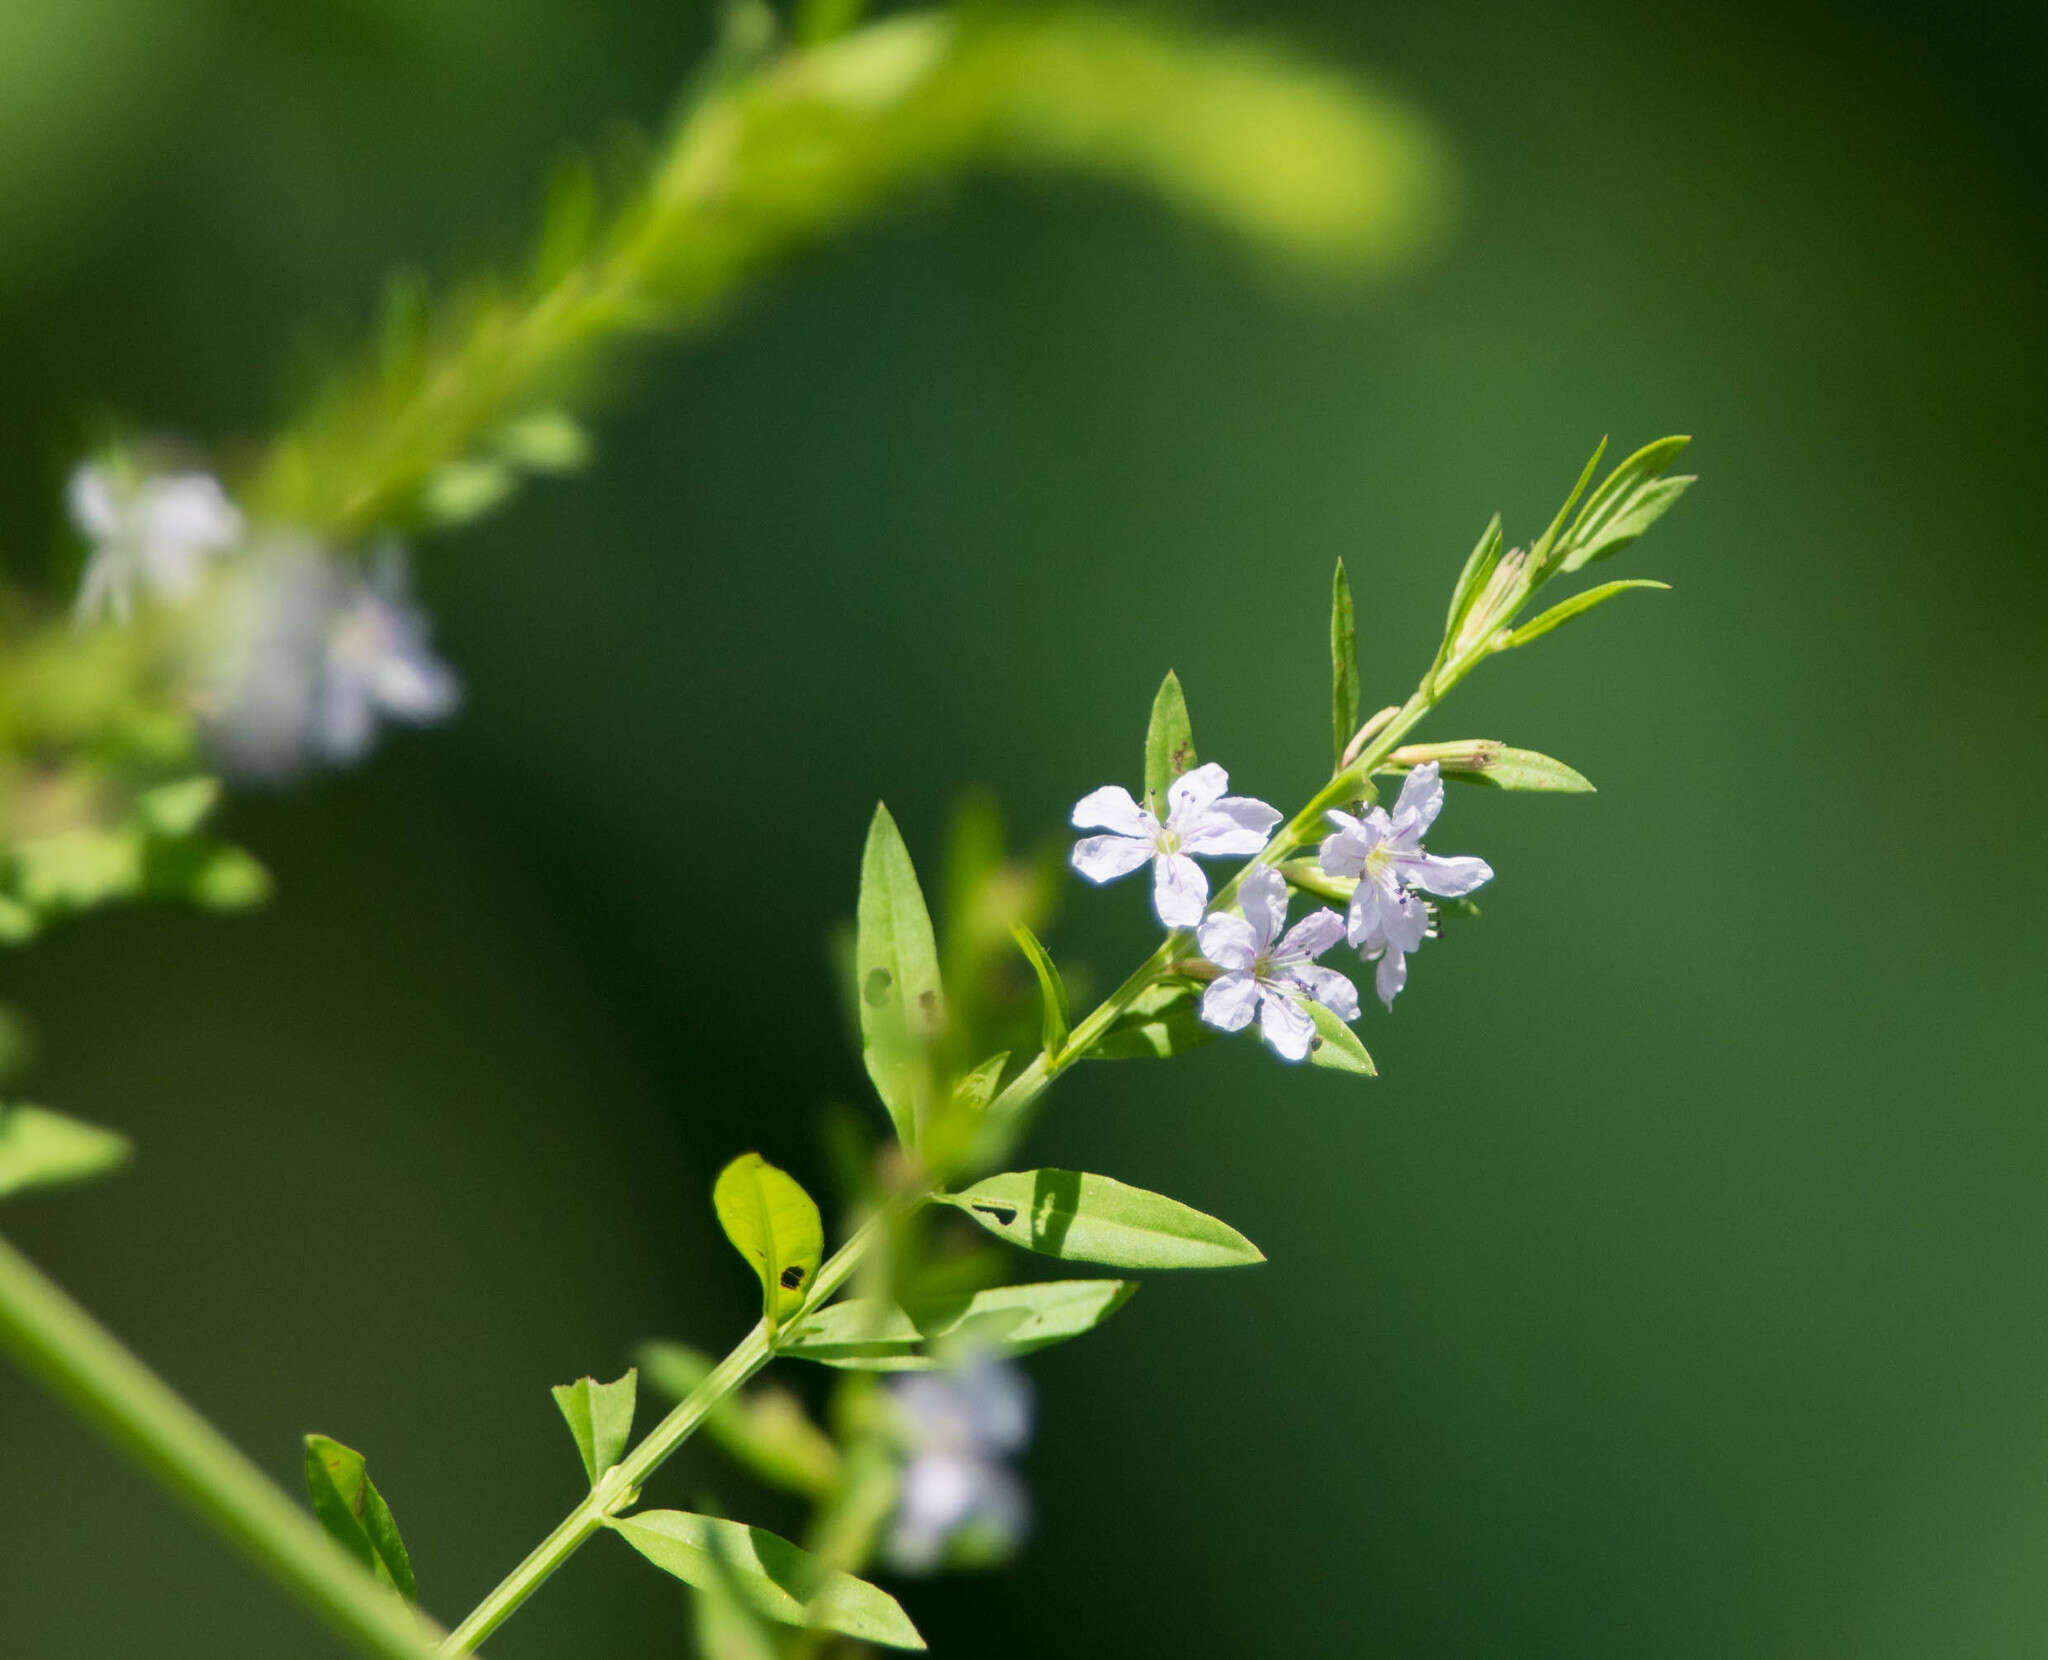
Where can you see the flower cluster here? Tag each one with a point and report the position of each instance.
(299, 655)
(1266, 970)
(957, 1494)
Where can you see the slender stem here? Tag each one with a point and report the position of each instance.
(80, 1360)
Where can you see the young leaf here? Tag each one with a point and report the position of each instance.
(1343, 664)
(1336, 1045)
(600, 1417)
(1539, 555)
(1159, 1024)
(354, 1512)
(779, 1581)
(766, 1429)
(1084, 1218)
(773, 1223)
(1630, 499)
(1479, 565)
(896, 963)
(866, 1333)
(1485, 761)
(1563, 612)
(39, 1148)
(1169, 743)
(1052, 991)
(977, 1088)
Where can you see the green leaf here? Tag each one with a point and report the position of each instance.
(1052, 990)
(766, 1429)
(773, 1223)
(1343, 664)
(1336, 1045)
(1160, 1023)
(977, 1088)
(1563, 612)
(1630, 499)
(1082, 1218)
(779, 1581)
(39, 1148)
(355, 1514)
(896, 965)
(1479, 565)
(868, 1333)
(1487, 761)
(177, 809)
(1541, 552)
(544, 441)
(464, 490)
(600, 1417)
(1169, 743)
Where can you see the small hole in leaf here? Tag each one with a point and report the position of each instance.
(1004, 1215)
(929, 1002)
(1314, 1044)
(792, 1276)
(876, 990)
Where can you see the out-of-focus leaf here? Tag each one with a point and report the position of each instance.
(1484, 761)
(774, 1224)
(1169, 743)
(1563, 612)
(355, 1514)
(1057, 1020)
(896, 963)
(977, 1088)
(40, 1148)
(765, 1428)
(179, 808)
(600, 1417)
(1343, 664)
(544, 441)
(778, 1580)
(1159, 1024)
(1085, 1218)
(868, 1334)
(1336, 1045)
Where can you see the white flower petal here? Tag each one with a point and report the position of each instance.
(1262, 896)
(1105, 858)
(1236, 825)
(1344, 853)
(1228, 941)
(1446, 877)
(1404, 923)
(1376, 897)
(1111, 808)
(1194, 790)
(1422, 798)
(1180, 892)
(1285, 1024)
(95, 508)
(1391, 975)
(1229, 1003)
(1311, 936)
(189, 510)
(1333, 990)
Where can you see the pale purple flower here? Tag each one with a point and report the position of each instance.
(1384, 852)
(308, 654)
(1270, 974)
(957, 1427)
(1200, 819)
(155, 533)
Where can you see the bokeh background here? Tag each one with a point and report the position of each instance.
(1676, 1290)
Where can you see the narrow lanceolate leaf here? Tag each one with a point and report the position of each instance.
(1630, 499)
(354, 1512)
(1336, 1045)
(39, 1148)
(896, 964)
(1159, 1024)
(1052, 990)
(1479, 565)
(1485, 761)
(869, 1334)
(600, 1417)
(778, 1581)
(774, 1224)
(1343, 664)
(1169, 743)
(1541, 553)
(1563, 612)
(766, 1428)
(1083, 1218)
(977, 1088)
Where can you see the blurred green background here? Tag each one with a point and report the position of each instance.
(1676, 1290)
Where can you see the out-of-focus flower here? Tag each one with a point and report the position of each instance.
(1269, 974)
(958, 1496)
(155, 532)
(308, 654)
(1200, 819)
(1385, 853)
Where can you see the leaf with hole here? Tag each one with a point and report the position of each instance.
(1336, 1045)
(777, 1579)
(896, 967)
(354, 1513)
(1085, 1218)
(774, 1224)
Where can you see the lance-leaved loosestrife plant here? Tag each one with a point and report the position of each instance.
(243, 629)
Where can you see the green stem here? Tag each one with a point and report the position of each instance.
(81, 1361)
